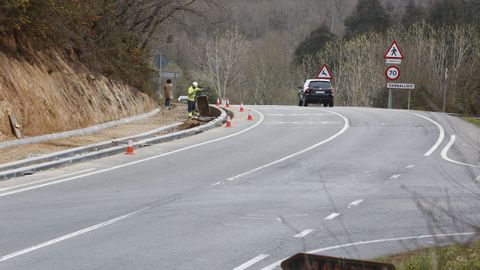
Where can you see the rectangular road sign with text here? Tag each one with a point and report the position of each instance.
(393, 61)
(409, 86)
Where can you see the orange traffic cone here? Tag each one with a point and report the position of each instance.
(218, 102)
(229, 124)
(228, 103)
(241, 107)
(129, 148)
(250, 117)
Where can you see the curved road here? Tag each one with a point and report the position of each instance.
(356, 182)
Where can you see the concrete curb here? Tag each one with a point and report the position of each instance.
(82, 156)
(77, 132)
(82, 149)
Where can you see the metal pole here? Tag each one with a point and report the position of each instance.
(390, 98)
(409, 95)
(160, 76)
(445, 90)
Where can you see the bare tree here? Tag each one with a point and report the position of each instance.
(219, 63)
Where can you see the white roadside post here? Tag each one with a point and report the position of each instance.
(445, 90)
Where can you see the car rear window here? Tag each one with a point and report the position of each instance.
(320, 84)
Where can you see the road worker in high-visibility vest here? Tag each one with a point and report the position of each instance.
(192, 92)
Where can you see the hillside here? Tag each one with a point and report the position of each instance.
(51, 91)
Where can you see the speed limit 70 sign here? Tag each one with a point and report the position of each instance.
(392, 73)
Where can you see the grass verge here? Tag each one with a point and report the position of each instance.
(472, 120)
(455, 257)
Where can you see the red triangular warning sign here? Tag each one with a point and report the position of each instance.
(393, 51)
(324, 73)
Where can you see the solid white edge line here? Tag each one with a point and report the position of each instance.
(303, 233)
(345, 127)
(71, 235)
(251, 262)
(141, 160)
(445, 156)
(45, 180)
(277, 263)
(332, 216)
(440, 136)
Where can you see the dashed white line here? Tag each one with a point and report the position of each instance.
(252, 262)
(395, 176)
(332, 216)
(355, 203)
(445, 151)
(411, 166)
(303, 233)
(68, 236)
(440, 136)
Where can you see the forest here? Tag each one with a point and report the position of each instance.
(260, 51)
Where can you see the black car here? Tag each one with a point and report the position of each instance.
(316, 91)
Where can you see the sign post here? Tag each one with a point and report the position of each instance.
(394, 56)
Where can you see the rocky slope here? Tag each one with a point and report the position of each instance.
(50, 91)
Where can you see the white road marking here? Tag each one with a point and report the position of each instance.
(71, 235)
(478, 178)
(411, 166)
(251, 262)
(395, 176)
(332, 216)
(345, 127)
(217, 183)
(316, 251)
(142, 160)
(303, 233)
(45, 180)
(445, 151)
(355, 203)
(440, 136)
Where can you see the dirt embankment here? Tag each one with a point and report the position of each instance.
(51, 91)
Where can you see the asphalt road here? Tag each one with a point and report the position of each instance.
(356, 182)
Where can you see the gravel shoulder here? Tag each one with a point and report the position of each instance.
(165, 117)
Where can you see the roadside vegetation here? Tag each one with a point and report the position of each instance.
(259, 52)
(112, 37)
(455, 257)
(472, 120)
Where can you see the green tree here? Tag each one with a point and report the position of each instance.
(314, 43)
(446, 12)
(413, 13)
(472, 9)
(12, 15)
(368, 16)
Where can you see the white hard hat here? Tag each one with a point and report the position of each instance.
(195, 84)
